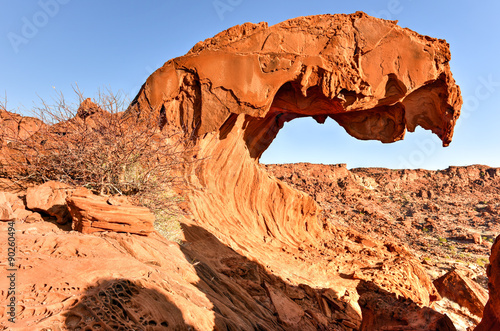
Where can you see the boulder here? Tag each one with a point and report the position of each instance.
(476, 237)
(88, 108)
(33, 217)
(12, 208)
(16, 128)
(13, 199)
(491, 314)
(92, 213)
(50, 198)
(22, 214)
(456, 286)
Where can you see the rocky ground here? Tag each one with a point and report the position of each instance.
(109, 278)
(448, 218)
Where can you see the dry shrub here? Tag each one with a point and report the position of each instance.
(97, 146)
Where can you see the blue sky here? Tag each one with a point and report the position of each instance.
(55, 44)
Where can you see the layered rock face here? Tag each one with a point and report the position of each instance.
(233, 93)
(92, 213)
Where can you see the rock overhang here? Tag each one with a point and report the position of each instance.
(232, 94)
(374, 78)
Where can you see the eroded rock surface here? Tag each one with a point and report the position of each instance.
(15, 127)
(256, 253)
(233, 92)
(50, 198)
(491, 314)
(384, 311)
(439, 214)
(456, 286)
(92, 213)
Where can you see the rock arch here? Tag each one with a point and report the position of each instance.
(233, 92)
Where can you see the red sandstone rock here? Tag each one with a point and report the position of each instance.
(6, 213)
(289, 313)
(159, 272)
(15, 128)
(13, 199)
(33, 217)
(456, 286)
(92, 213)
(383, 311)
(491, 314)
(477, 238)
(50, 198)
(12, 208)
(88, 108)
(22, 214)
(232, 93)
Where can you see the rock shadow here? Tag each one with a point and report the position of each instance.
(243, 295)
(247, 297)
(123, 304)
(383, 310)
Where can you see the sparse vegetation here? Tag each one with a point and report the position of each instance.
(482, 261)
(97, 147)
(168, 225)
(164, 206)
(101, 147)
(488, 239)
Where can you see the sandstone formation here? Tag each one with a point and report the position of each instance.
(457, 287)
(257, 253)
(435, 213)
(12, 208)
(491, 314)
(92, 213)
(6, 212)
(50, 198)
(14, 127)
(88, 108)
(121, 280)
(233, 92)
(14, 130)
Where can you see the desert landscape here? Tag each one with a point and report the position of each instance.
(158, 215)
